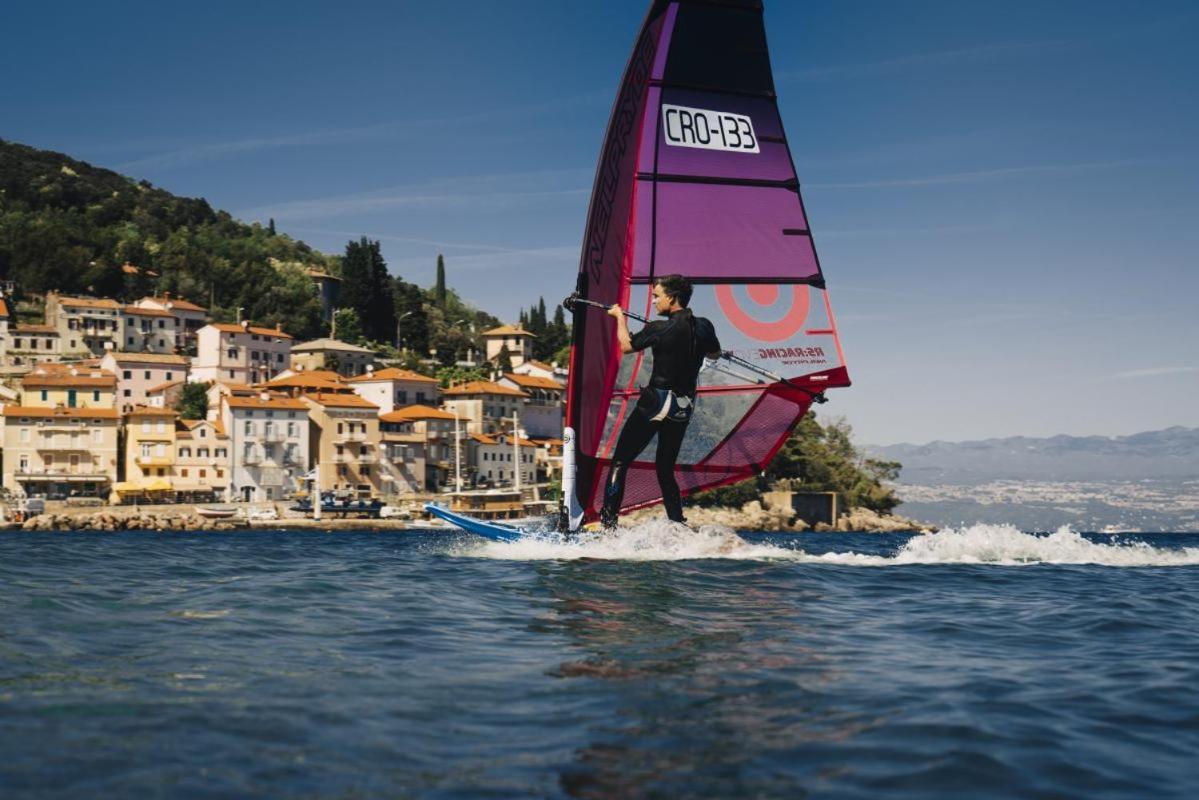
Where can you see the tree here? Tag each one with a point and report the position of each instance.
(366, 287)
(193, 401)
(440, 289)
(503, 360)
(347, 326)
(270, 226)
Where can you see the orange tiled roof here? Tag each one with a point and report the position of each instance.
(332, 400)
(392, 374)
(228, 327)
(508, 330)
(150, 358)
(481, 439)
(302, 380)
(483, 387)
(285, 403)
(533, 382)
(35, 329)
(162, 387)
(151, 411)
(181, 304)
(145, 312)
(63, 378)
(60, 411)
(3, 308)
(410, 413)
(88, 302)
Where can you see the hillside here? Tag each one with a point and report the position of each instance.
(67, 225)
(1172, 453)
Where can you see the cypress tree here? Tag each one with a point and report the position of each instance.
(440, 292)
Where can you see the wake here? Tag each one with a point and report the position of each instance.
(998, 545)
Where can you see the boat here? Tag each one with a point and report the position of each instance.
(695, 177)
(215, 513)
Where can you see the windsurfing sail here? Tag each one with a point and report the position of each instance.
(695, 177)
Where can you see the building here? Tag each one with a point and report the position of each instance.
(485, 406)
(149, 450)
(495, 460)
(295, 384)
(138, 373)
(401, 455)
(242, 353)
(165, 395)
(268, 445)
(32, 344)
(540, 369)
(344, 440)
(60, 452)
(328, 288)
(541, 415)
(514, 338)
(435, 429)
(148, 330)
(202, 461)
(393, 388)
(191, 318)
(343, 358)
(87, 326)
(69, 386)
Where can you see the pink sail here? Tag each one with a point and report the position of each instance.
(696, 178)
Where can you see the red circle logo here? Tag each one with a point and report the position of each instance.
(766, 297)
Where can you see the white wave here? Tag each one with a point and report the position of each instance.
(1000, 545)
(196, 614)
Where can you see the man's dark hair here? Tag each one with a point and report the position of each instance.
(676, 287)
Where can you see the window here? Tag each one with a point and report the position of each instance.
(127, 374)
(230, 373)
(24, 434)
(222, 452)
(160, 426)
(97, 436)
(203, 432)
(203, 473)
(292, 429)
(96, 396)
(168, 377)
(160, 450)
(201, 452)
(127, 392)
(45, 395)
(145, 426)
(183, 473)
(145, 450)
(249, 428)
(24, 463)
(146, 375)
(185, 452)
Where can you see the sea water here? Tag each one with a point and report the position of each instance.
(982, 662)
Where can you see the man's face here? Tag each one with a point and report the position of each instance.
(662, 301)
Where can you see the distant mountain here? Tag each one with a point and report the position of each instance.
(1170, 454)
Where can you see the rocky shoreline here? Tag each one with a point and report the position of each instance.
(752, 516)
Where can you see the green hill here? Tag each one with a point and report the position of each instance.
(67, 225)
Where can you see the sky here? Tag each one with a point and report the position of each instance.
(1003, 195)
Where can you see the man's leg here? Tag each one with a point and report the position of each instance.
(637, 432)
(670, 440)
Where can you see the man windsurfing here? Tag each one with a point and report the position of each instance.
(679, 344)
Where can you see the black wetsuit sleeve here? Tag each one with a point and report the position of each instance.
(648, 336)
(705, 337)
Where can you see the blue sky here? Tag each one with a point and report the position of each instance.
(1003, 194)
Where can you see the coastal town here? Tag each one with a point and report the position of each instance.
(92, 413)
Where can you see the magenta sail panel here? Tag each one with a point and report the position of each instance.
(696, 178)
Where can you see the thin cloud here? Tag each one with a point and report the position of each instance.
(1152, 372)
(479, 190)
(934, 58)
(981, 176)
(383, 130)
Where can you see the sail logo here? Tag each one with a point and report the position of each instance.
(708, 130)
(778, 315)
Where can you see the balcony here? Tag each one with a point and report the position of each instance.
(367, 458)
(251, 459)
(154, 461)
(351, 436)
(274, 435)
(80, 473)
(78, 446)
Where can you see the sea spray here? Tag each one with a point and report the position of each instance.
(998, 545)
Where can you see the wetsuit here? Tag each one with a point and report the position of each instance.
(679, 344)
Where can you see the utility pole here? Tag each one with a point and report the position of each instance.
(516, 447)
(457, 454)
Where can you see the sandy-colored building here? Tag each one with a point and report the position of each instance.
(60, 452)
(541, 414)
(401, 455)
(393, 388)
(148, 330)
(191, 318)
(242, 353)
(343, 358)
(344, 441)
(495, 460)
(268, 445)
(87, 326)
(138, 373)
(485, 406)
(436, 429)
(202, 460)
(70, 386)
(149, 449)
(32, 344)
(515, 338)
